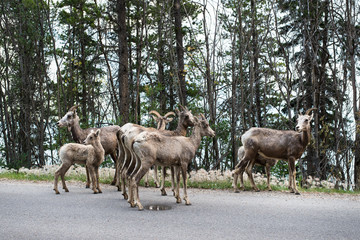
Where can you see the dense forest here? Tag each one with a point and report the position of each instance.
(242, 63)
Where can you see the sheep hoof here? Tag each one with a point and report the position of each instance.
(147, 185)
(163, 192)
(236, 191)
(87, 186)
(66, 190)
(125, 196)
(297, 193)
(113, 182)
(56, 191)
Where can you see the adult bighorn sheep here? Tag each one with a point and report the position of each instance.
(259, 160)
(91, 154)
(161, 124)
(130, 131)
(277, 144)
(155, 147)
(108, 136)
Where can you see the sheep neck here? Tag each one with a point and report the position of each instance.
(77, 132)
(180, 130)
(305, 137)
(196, 136)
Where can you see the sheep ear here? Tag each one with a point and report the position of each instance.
(97, 133)
(169, 119)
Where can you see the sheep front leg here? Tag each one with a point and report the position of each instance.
(87, 177)
(172, 170)
(97, 179)
(162, 187)
(146, 181)
(156, 176)
(93, 178)
(184, 176)
(267, 170)
(177, 187)
(292, 175)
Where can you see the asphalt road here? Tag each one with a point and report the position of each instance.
(33, 211)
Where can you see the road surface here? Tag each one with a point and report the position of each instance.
(32, 211)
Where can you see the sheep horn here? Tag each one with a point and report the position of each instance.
(73, 108)
(202, 116)
(181, 107)
(155, 113)
(309, 111)
(169, 114)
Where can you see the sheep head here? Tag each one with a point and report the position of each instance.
(203, 124)
(68, 120)
(92, 137)
(186, 118)
(303, 121)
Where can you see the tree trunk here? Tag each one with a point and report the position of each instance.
(180, 52)
(123, 71)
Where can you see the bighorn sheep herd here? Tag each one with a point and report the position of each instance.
(135, 149)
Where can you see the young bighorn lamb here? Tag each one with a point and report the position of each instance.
(259, 160)
(155, 147)
(161, 124)
(108, 136)
(130, 131)
(277, 144)
(91, 154)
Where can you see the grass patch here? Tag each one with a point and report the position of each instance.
(15, 175)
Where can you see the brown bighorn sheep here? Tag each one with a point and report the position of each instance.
(130, 131)
(161, 124)
(108, 136)
(155, 147)
(276, 144)
(91, 154)
(259, 160)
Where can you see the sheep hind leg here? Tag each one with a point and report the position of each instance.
(57, 174)
(144, 168)
(114, 158)
(249, 173)
(239, 171)
(64, 169)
